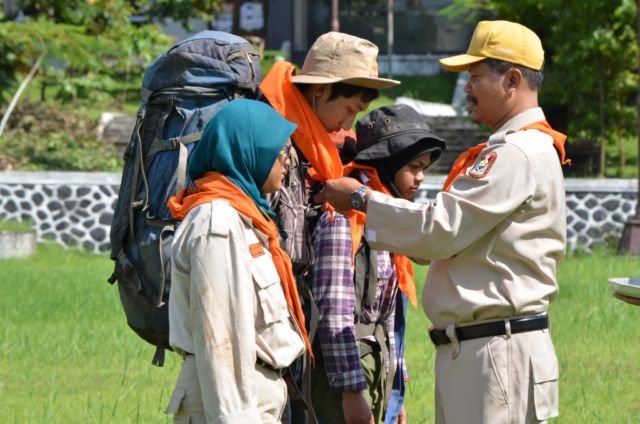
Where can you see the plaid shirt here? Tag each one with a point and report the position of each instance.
(334, 292)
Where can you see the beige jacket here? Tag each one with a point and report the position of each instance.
(494, 240)
(227, 307)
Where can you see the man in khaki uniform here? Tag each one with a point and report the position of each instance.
(494, 236)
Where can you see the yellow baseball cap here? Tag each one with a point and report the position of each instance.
(502, 40)
(338, 57)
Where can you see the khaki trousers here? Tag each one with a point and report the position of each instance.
(510, 379)
(186, 401)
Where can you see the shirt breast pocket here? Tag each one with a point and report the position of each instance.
(271, 305)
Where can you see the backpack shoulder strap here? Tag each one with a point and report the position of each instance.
(365, 276)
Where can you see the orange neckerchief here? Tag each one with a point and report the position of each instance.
(214, 185)
(404, 269)
(469, 156)
(310, 137)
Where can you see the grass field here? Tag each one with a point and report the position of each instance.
(67, 356)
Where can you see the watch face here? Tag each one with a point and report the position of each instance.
(356, 200)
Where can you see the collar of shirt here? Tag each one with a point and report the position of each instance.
(527, 117)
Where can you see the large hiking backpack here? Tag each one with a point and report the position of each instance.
(181, 91)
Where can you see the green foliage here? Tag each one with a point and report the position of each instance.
(180, 10)
(621, 154)
(78, 63)
(61, 152)
(56, 136)
(595, 61)
(95, 57)
(101, 14)
(88, 44)
(437, 88)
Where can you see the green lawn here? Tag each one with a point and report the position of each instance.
(67, 356)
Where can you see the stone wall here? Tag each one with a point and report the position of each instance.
(69, 208)
(75, 209)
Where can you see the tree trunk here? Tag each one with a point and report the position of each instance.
(602, 123)
(390, 38)
(622, 158)
(335, 15)
(638, 108)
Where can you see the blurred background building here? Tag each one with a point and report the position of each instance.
(420, 35)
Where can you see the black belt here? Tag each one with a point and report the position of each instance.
(490, 329)
(264, 364)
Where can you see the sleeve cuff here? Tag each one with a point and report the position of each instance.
(351, 381)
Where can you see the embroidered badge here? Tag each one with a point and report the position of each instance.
(483, 166)
(256, 250)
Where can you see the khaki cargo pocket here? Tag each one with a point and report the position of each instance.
(272, 305)
(175, 402)
(544, 375)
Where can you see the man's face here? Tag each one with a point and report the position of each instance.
(338, 113)
(486, 95)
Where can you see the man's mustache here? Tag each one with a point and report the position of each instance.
(472, 99)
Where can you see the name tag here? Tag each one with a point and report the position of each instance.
(256, 250)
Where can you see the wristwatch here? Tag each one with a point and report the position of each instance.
(357, 199)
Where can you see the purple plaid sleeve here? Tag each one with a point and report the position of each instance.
(334, 292)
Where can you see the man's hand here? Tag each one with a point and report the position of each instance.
(356, 409)
(336, 192)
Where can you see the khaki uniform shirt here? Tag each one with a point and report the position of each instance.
(227, 307)
(494, 239)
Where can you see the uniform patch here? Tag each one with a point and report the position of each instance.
(256, 250)
(482, 167)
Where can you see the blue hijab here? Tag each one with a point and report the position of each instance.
(242, 142)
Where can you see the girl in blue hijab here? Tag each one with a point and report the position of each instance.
(234, 310)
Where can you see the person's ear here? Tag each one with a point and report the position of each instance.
(514, 78)
(320, 89)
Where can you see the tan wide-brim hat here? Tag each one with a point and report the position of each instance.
(501, 40)
(337, 57)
